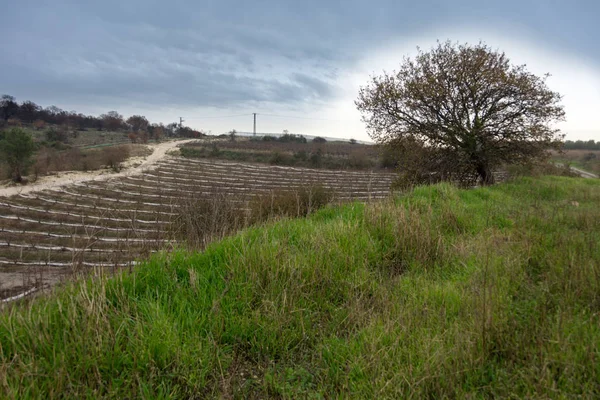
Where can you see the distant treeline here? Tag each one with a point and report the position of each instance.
(28, 112)
(582, 145)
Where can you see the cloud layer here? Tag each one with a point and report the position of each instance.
(223, 56)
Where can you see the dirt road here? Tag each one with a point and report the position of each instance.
(584, 174)
(159, 151)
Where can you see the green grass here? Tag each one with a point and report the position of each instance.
(485, 293)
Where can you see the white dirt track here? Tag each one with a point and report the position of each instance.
(159, 152)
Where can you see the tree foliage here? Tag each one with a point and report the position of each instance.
(466, 102)
(8, 107)
(112, 121)
(138, 123)
(17, 148)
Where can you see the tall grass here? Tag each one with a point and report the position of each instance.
(442, 293)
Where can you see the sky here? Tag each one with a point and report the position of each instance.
(297, 64)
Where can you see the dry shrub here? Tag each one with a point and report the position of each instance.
(113, 156)
(49, 160)
(290, 203)
(200, 220)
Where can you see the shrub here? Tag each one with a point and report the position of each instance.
(291, 138)
(17, 149)
(56, 135)
(278, 158)
(39, 124)
(113, 156)
(301, 155)
(316, 158)
(290, 203)
(200, 220)
(319, 139)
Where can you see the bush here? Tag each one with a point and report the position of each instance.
(278, 158)
(17, 148)
(55, 135)
(291, 138)
(290, 203)
(316, 158)
(301, 155)
(201, 220)
(319, 139)
(113, 156)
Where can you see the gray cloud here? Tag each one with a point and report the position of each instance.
(232, 54)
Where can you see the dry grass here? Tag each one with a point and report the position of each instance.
(49, 160)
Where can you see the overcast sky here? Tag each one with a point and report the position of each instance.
(298, 64)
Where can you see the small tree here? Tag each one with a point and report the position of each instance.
(468, 101)
(17, 148)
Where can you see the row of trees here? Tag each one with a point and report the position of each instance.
(37, 116)
(582, 145)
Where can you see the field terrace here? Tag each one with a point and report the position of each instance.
(48, 235)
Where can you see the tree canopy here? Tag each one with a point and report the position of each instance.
(469, 103)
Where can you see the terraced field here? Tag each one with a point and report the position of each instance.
(108, 224)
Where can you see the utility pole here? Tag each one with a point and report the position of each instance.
(180, 122)
(254, 124)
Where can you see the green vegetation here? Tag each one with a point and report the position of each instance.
(493, 292)
(17, 148)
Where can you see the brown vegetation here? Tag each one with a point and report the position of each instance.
(49, 160)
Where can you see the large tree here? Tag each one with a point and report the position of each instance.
(469, 102)
(17, 148)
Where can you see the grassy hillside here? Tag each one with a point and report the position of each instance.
(493, 292)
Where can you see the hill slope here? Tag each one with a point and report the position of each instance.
(446, 292)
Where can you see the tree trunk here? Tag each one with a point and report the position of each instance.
(485, 174)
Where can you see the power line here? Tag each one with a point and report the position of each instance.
(221, 116)
(309, 118)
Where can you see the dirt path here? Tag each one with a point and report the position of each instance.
(583, 173)
(159, 151)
